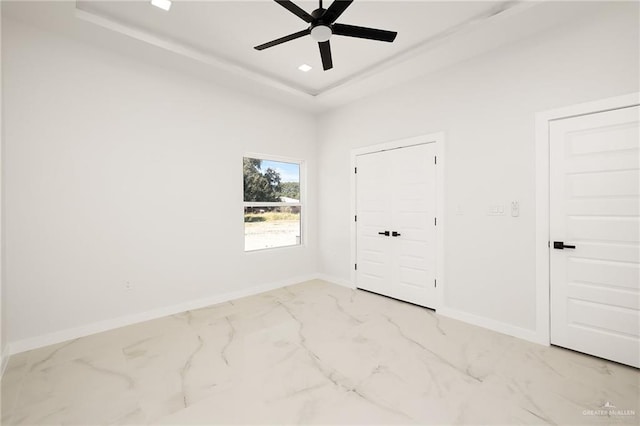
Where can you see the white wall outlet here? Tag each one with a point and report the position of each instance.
(515, 208)
(128, 286)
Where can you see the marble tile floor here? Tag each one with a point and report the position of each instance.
(313, 353)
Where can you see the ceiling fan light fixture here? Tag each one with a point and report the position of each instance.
(321, 33)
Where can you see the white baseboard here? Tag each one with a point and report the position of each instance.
(5, 359)
(100, 326)
(491, 324)
(336, 280)
(488, 323)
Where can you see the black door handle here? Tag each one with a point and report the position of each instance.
(560, 245)
(395, 234)
(385, 233)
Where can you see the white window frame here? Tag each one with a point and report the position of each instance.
(301, 202)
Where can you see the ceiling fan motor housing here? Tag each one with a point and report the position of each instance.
(317, 15)
(320, 31)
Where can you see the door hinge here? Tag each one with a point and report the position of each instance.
(435, 283)
(356, 266)
(355, 170)
(435, 159)
(549, 244)
(356, 218)
(435, 221)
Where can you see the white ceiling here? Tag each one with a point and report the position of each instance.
(229, 31)
(215, 39)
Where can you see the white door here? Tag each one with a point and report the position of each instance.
(396, 232)
(594, 201)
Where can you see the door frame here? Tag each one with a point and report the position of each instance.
(543, 237)
(438, 140)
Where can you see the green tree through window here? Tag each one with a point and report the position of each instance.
(258, 185)
(290, 190)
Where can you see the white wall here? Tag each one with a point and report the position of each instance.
(117, 171)
(487, 108)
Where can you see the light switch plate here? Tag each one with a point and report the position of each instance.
(496, 210)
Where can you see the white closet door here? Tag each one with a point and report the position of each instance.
(396, 193)
(595, 195)
(373, 200)
(413, 215)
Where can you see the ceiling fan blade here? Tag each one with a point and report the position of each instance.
(335, 10)
(291, 7)
(325, 54)
(283, 39)
(363, 32)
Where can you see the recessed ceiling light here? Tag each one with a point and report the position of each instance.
(304, 68)
(162, 4)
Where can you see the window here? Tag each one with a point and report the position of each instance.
(272, 203)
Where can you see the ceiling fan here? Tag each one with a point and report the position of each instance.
(323, 25)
